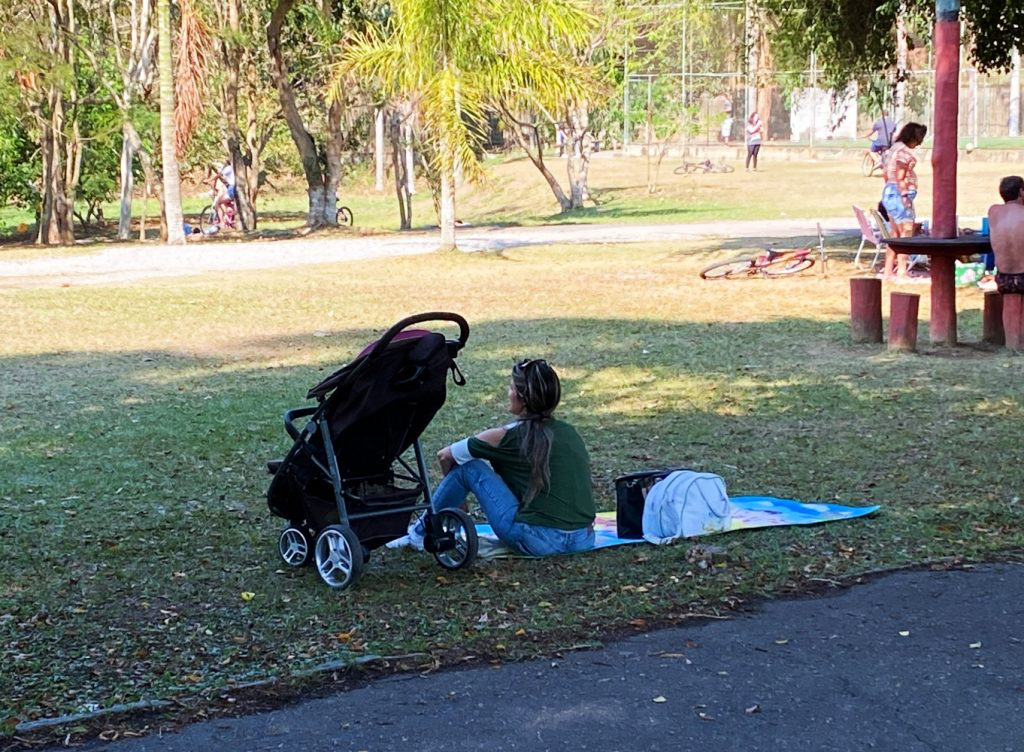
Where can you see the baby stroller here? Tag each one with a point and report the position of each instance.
(345, 487)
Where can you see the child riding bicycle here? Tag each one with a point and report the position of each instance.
(224, 185)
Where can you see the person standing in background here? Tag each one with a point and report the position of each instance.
(900, 191)
(725, 134)
(755, 132)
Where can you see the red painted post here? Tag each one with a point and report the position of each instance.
(942, 330)
(903, 321)
(944, 121)
(866, 309)
(992, 320)
(1013, 321)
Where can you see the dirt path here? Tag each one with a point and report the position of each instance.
(130, 263)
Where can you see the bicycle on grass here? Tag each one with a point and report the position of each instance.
(871, 163)
(690, 168)
(345, 218)
(210, 222)
(770, 264)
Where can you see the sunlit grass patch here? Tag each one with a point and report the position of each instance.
(137, 420)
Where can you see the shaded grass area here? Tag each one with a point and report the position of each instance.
(138, 420)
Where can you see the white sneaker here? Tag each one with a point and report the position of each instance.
(417, 529)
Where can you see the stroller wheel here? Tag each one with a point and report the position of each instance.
(339, 556)
(295, 547)
(458, 527)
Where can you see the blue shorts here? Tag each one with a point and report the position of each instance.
(893, 203)
(878, 147)
(231, 192)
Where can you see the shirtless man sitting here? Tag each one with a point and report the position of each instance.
(1006, 233)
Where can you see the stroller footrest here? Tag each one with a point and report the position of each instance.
(273, 466)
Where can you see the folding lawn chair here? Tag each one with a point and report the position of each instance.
(868, 234)
(883, 227)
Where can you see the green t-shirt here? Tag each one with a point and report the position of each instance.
(568, 502)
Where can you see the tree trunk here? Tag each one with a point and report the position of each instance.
(333, 152)
(253, 142)
(765, 83)
(534, 148)
(1014, 124)
(232, 53)
(142, 214)
(900, 94)
(410, 156)
(152, 181)
(302, 138)
(378, 150)
(447, 209)
(579, 142)
(56, 216)
(124, 222)
(171, 177)
(401, 179)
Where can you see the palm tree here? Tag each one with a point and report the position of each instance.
(455, 59)
(171, 176)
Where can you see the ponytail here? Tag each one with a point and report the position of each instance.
(540, 390)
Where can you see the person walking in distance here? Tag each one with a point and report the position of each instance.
(755, 132)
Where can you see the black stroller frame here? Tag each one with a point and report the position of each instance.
(338, 515)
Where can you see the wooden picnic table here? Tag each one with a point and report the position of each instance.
(942, 253)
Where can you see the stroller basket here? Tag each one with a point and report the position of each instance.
(346, 486)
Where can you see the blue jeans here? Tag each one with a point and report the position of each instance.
(501, 505)
(893, 203)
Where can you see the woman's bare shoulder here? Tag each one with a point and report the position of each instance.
(493, 436)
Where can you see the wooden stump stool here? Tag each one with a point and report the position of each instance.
(1013, 321)
(866, 309)
(992, 320)
(903, 321)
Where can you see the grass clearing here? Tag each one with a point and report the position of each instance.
(137, 420)
(515, 193)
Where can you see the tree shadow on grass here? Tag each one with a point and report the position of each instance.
(131, 483)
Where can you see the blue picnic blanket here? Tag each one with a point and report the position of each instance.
(748, 513)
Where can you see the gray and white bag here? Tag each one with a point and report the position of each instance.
(685, 504)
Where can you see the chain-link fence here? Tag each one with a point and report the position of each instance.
(709, 108)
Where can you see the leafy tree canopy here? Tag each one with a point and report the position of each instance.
(854, 38)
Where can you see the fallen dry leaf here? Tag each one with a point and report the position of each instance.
(247, 596)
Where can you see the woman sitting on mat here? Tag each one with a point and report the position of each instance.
(536, 491)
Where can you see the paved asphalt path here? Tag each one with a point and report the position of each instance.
(119, 263)
(911, 661)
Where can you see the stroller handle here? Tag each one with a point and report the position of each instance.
(419, 318)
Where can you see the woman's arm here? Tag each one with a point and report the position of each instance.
(901, 181)
(458, 453)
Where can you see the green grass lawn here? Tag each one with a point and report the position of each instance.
(514, 193)
(137, 420)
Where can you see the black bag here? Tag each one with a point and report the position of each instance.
(630, 493)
